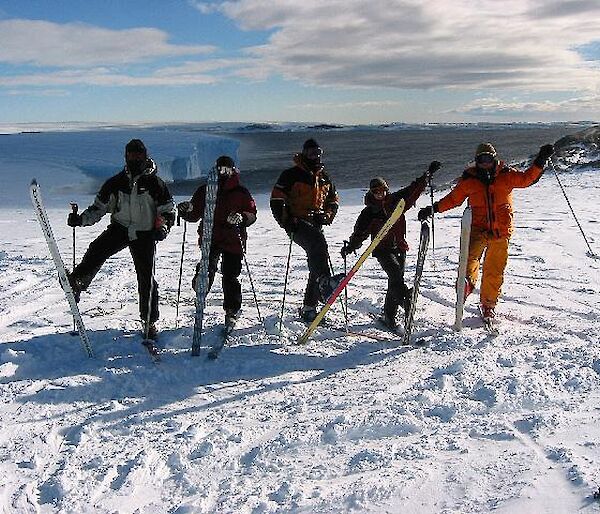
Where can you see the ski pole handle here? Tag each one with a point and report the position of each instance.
(74, 207)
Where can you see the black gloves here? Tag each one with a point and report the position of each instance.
(543, 155)
(322, 218)
(433, 167)
(348, 248)
(425, 212)
(74, 220)
(161, 233)
(184, 207)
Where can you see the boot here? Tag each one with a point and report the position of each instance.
(231, 318)
(308, 313)
(76, 286)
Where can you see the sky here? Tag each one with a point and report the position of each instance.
(335, 61)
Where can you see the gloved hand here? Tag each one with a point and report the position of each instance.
(433, 167)
(322, 218)
(546, 151)
(160, 233)
(235, 218)
(184, 207)
(74, 220)
(347, 249)
(425, 212)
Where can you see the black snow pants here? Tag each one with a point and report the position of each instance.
(231, 268)
(312, 240)
(392, 262)
(113, 240)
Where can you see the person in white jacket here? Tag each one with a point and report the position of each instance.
(142, 212)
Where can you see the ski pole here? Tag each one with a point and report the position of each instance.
(249, 276)
(344, 310)
(592, 254)
(74, 209)
(180, 269)
(287, 269)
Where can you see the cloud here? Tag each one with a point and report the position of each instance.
(43, 43)
(498, 107)
(515, 44)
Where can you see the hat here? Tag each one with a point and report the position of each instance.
(135, 145)
(225, 161)
(485, 148)
(310, 143)
(378, 182)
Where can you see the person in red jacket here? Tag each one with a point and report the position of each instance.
(488, 186)
(391, 251)
(234, 211)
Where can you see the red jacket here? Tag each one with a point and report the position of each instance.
(231, 197)
(376, 213)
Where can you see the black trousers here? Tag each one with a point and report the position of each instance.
(312, 240)
(113, 240)
(231, 267)
(393, 263)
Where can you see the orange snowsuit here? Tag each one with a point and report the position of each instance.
(492, 224)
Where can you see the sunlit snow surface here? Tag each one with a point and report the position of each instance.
(471, 423)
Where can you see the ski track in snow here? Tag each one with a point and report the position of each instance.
(471, 423)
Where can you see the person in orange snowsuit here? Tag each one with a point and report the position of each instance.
(488, 186)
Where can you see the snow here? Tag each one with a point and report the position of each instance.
(471, 423)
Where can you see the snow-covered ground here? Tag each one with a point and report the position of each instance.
(472, 423)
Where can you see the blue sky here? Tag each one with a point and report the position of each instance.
(342, 61)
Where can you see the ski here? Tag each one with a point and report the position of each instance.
(210, 201)
(410, 315)
(215, 349)
(465, 235)
(336, 292)
(42, 216)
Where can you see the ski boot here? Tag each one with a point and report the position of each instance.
(308, 313)
(231, 318)
(150, 331)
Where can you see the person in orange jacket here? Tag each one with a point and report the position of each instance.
(488, 186)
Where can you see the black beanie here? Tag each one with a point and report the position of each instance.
(225, 161)
(136, 145)
(310, 143)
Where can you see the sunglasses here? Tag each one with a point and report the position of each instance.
(485, 158)
(379, 191)
(225, 170)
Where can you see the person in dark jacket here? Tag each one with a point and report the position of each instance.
(142, 212)
(235, 210)
(303, 200)
(391, 251)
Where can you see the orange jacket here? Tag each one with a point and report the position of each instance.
(491, 203)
